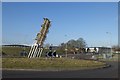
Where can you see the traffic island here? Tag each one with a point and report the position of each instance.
(50, 64)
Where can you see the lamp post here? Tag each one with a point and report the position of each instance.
(66, 48)
(109, 33)
(76, 49)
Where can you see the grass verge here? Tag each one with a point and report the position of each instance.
(49, 64)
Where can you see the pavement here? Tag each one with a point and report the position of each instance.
(110, 72)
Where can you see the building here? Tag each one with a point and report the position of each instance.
(99, 50)
(15, 45)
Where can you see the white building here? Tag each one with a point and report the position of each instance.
(99, 50)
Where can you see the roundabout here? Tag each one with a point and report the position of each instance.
(50, 64)
(109, 72)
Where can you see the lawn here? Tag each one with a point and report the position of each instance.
(49, 64)
(15, 51)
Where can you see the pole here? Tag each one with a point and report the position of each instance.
(66, 50)
(110, 42)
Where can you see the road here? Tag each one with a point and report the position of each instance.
(111, 72)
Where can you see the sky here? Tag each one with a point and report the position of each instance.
(95, 22)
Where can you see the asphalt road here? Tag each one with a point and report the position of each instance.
(111, 72)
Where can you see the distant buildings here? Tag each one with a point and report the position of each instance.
(15, 45)
(116, 50)
(99, 50)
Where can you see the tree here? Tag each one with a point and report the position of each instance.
(81, 43)
(71, 44)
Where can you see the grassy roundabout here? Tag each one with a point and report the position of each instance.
(49, 64)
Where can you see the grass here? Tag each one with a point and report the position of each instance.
(41, 63)
(0, 62)
(44, 64)
(15, 51)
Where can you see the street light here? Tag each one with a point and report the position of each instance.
(66, 48)
(76, 49)
(109, 33)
